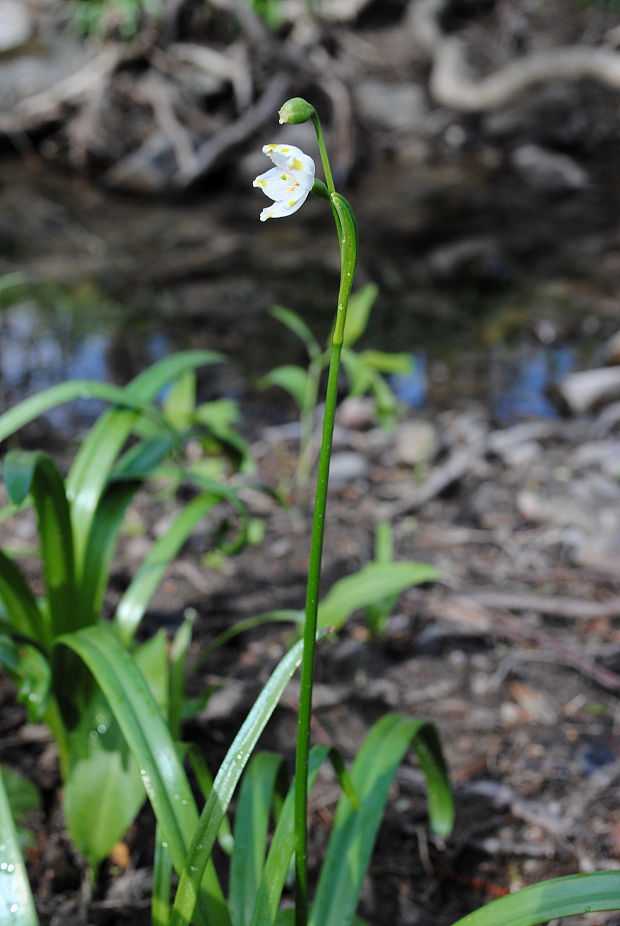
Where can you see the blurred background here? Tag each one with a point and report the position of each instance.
(476, 139)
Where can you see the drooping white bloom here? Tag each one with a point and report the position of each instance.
(288, 183)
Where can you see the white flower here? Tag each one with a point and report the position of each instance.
(288, 183)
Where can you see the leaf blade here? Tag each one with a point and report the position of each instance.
(225, 782)
(151, 744)
(16, 901)
(354, 831)
(571, 895)
(370, 584)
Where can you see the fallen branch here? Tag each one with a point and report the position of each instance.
(465, 610)
(215, 149)
(452, 85)
(554, 606)
(76, 88)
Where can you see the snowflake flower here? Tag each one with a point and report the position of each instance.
(288, 183)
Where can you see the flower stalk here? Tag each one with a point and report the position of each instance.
(288, 184)
(347, 235)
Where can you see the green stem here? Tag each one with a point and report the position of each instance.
(347, 235)
(323, 152)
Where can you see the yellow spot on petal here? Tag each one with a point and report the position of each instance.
(283, 176)
(260, 183)
(284, 150)
(291, 203)
(296, 164)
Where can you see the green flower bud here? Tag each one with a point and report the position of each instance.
(295, 111)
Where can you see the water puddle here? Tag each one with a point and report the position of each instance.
(109, 285)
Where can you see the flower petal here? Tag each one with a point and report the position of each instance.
(283, 207)
(281, 184)
(290, 157)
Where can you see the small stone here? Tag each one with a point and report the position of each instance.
(347, 467)
(548, 171)
(590, 389)
(416, 442)
(15, 25)
(357, 413)
(612, 349)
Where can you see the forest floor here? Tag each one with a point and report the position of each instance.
(514, 655)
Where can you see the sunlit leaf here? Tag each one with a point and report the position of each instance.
(225, 783)
(148, 737)
(16, 903)
(292, 379)
(358, 313)
(297, 325)
(573, 895)
(354, 831)
(372, 583)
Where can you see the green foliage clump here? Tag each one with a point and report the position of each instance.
(114, 17)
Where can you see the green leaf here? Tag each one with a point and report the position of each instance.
(29, 670)
(387, 362)
(101, 545)
(358, 313)
(148, 737)
(218, 417)
(16, 902)
(354, 831)
(250, 834)
(180, 402)
(297, 325)
(573, 895)
(23, 612)
(176, 676)
(205, 783)
(140, 461)
(371, 584)
(135, 600)
(162, 883)
(225, 782)
(95, 460)
(379, 612)
(361, 376)
(103, 789)
(24, 799)
(37, 473)
(36, 405)
(248, 623)
(278, 862)
(292, 379)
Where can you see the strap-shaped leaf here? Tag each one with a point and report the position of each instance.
(225, 783)
(37, 474)
(93, 464)
(292, 379)
(354, 832)
(101, 545)
(127, 478)
(152, 746)
(136, 598)
(278, 861)
(297, 325)
(103, 790)
(162, 882)
(16, 902)
(36, 405)
(372, 583)
(573, 895)
(358, 313)
(250, 834)
(22, 610)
